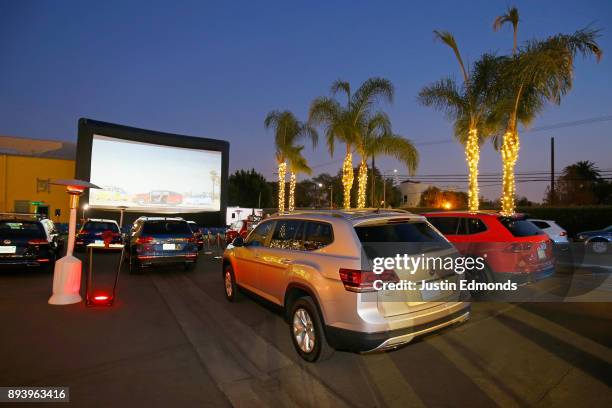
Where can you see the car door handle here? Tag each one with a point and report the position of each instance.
(286, 261)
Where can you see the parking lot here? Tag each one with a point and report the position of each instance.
(172, 339)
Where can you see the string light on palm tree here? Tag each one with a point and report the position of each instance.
(287, 131)
(345, 123)
(467, 105)
(376, 139)
(541, 71)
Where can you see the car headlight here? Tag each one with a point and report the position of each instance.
(581, 237)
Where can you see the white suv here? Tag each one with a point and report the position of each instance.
(318, 267)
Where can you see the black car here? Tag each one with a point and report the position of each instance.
(161, 240)
(599, 241)
(25, 243)
(197, 234)
(94, 230)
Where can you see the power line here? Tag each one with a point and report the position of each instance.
(559, 125)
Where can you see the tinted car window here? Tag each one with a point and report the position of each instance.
(541, 224)
(260, 234)
(400, 232)
(317, 235)
(287, 235)
(165, 228)
(446, 225)
(18, 229)
(100, 226)
(474, 226)
(520, 228)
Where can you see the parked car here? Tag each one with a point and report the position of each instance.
(197, 234)
(557, 234)
(599, 241)
(93, 230)
(161, 240)
(239, 228)
(311, 265)
(514, 248)
(25, 242)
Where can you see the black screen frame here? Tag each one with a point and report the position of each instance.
(89, 127)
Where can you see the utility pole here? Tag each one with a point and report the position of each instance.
(331, 197)
(259, 201)
(552, 171)
(373, 184)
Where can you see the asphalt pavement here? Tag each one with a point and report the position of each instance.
(171, 339)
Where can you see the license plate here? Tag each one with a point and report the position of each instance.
(541, 253)
(8, 249)
(99, 242)
(427, 294)
(169, 247)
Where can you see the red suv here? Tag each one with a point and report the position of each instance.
(513, 247)
(242, 228)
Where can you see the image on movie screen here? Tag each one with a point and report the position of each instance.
(153, 178)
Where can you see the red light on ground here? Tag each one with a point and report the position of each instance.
(101, 297)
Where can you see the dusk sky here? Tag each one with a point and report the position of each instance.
(214, 69)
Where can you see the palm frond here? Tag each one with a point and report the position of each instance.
(446, 96)
(511, 16)
(448, 39)
(397, 146)
(340, 85)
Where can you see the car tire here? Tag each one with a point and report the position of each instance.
(307, 331)
(230, 288)
(599, 246)
(483, 276)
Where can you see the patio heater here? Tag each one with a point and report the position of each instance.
(67, 272)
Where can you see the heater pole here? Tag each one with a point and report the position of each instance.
(552, 171)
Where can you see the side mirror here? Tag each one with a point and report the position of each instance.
(238, 241)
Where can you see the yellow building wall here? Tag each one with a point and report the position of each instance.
(18, 181)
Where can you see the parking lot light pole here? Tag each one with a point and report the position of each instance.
(67, 272)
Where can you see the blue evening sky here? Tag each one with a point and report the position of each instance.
(215, 69)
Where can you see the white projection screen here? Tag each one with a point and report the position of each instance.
(153, 178)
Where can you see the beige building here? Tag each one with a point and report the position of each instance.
(411, 192)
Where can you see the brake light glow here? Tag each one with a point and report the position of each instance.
(356, 280)
(144, 240)
(38, 242)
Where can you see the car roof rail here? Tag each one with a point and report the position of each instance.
(21, 216)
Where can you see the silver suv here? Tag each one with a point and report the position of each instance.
(317, 265)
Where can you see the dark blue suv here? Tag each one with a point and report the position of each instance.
(161, 240)
(93, 231)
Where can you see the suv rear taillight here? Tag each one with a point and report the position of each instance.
(356, 280)
(519, 247)
(38, 242)
(144, 240)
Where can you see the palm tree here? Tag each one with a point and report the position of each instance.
(346, 123)
(287, 131)
(297, 164)
(539, 72)
(467, 105)
(512, 17)
(376, 139)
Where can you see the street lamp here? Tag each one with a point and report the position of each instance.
(85, 208)
(67, 272)
(319, 185)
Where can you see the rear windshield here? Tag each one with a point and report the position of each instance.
(18, 229)
(165, 228)
(401, 232)
(520, 228)
(397, 238)
(100, 226)
(193, 226)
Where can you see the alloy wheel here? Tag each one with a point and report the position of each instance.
(303, 330)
